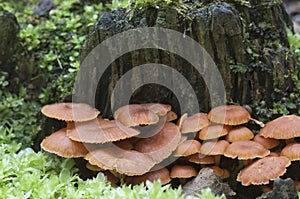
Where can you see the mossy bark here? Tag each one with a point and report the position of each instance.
(248, 43)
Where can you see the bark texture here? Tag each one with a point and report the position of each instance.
(246, 40)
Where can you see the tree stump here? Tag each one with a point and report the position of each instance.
(247, 41)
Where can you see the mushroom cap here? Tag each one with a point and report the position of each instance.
(269, 143)
(239, 133)
(214, 131)
(141, 114)
(222, 173)
(229, 115)
(187, 148)
(181, 119)
(162, 174)
(158, 109)
(291, 151)
(245, 150)
(284, 127)
(70, 112)
(214, 148)
(201, 159)
(171, 116)
(128, 162)
(61, 145)
(93, 167)
(183, 171)
(162, 144)
(263, 170)
(99, 131)
(194, 123)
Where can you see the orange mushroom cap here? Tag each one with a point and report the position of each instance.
(99, 131)
(70, 112)
(194, 123)
(127, 162)
(269, 143)
(171, 116)
(162, 174)
(263, 170)
(291, 151)
(141, 114)
(183, 171)
(222, 173)
(229, 115)
(187, 148)
(214, 148)
(213, 131)
(60, 144)
(284, 127)
(162, 144)
(245, 150)
(239, 133)
(201, 159)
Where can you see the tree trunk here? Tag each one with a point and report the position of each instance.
(248, 43)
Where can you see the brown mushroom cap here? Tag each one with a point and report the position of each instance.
(201, 159)
(263, 170)
(141, 114)
(245, 150)
(291, 151)
(229, 115)
(162, 144)
(181, 119)
(128, 162)
(171, 116)
(269, 143)
(183, 171)
(239, 133)
(70, 112)
(284, 127)
(187, 148)
(158, 109)
(60, 144)
(222, 173)
(194, 123)
(214, 148)
(213, 131)
(99, 131)
(162, 174)
(93, 167)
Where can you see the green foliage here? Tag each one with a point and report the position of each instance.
(27, 174)
(18, 116)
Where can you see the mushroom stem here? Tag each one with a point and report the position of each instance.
(247, 162)
(261, 124)
(217, 160)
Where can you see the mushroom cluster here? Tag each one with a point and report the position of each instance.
(125, 148)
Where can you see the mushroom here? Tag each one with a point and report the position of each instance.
(70, 112)
(181, 119)
(222, 173)
(214, 131)
(263, 170)
(284, 127)
(269, 143)
(214, 148)
(231, 115)
(171, 116)
(183, 172)
(128, 162)
(187, 148)
(162, 174)
(93, 167)
(141, 114)
(239, 133)
(201, 159)
(291, 151)
(246, 150)
(99, 131)
(162, 144)
(194, 123)
(61, 145)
